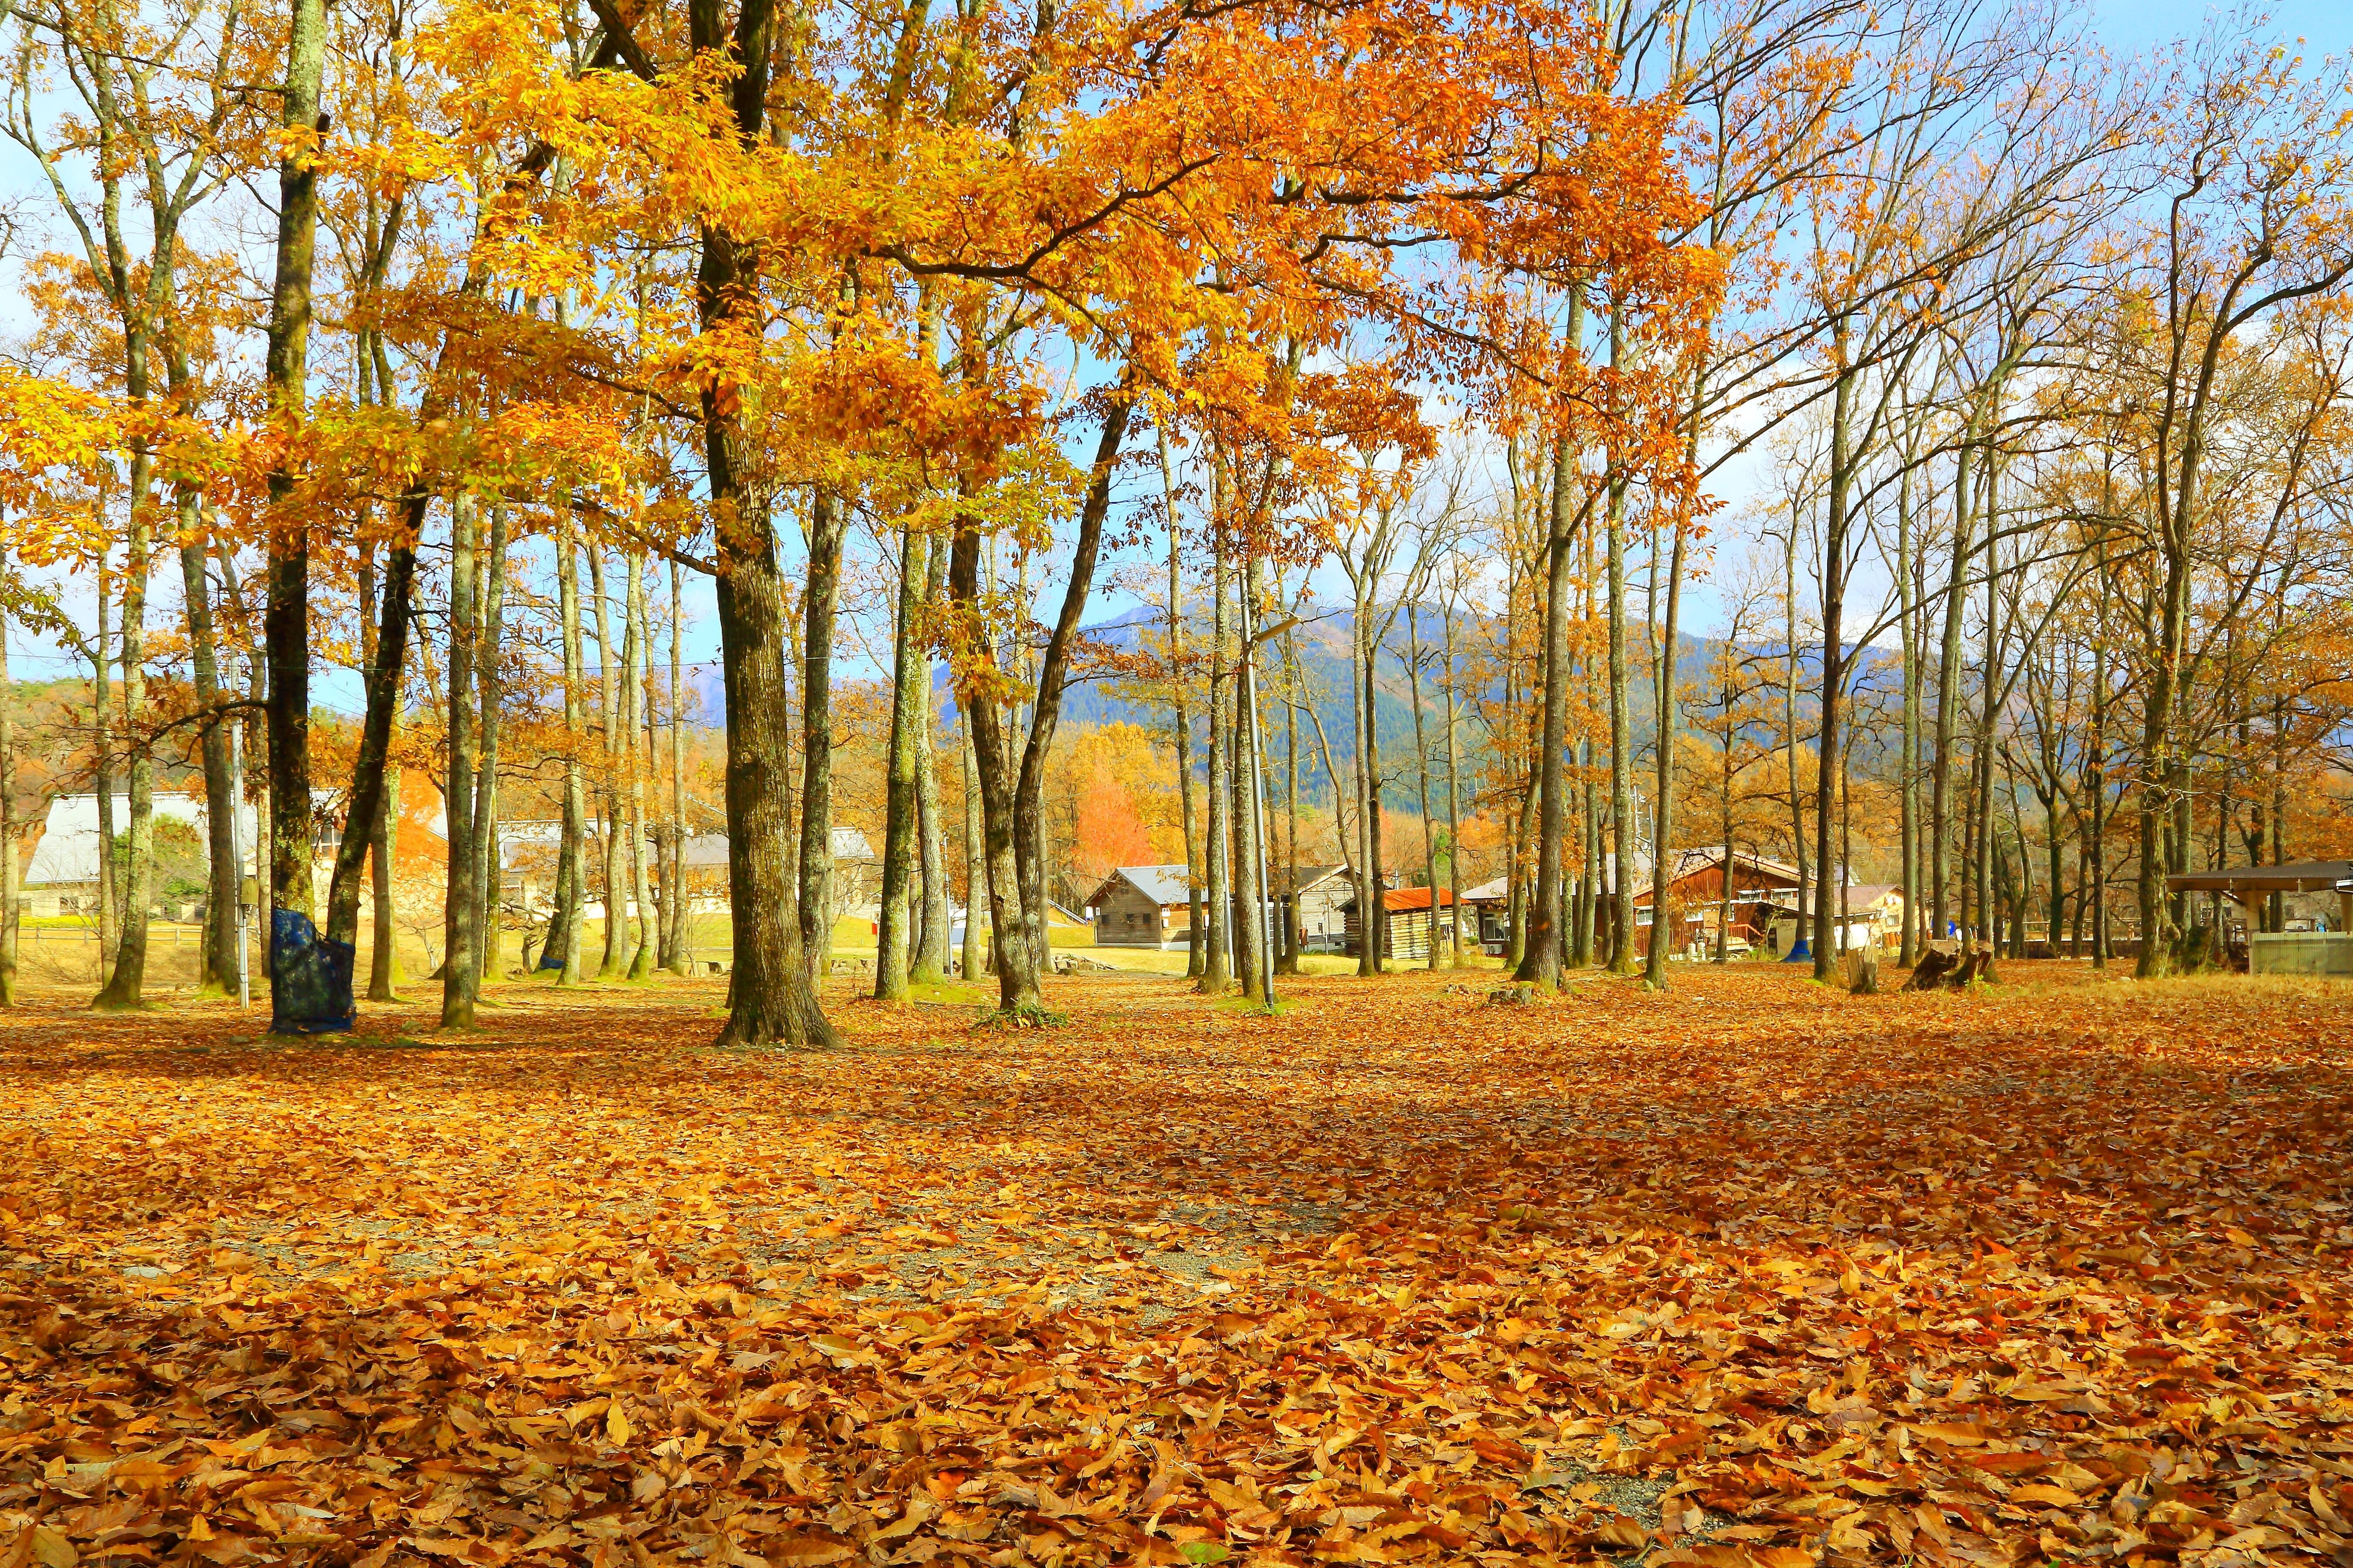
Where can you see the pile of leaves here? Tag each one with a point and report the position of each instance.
(1751, 1273)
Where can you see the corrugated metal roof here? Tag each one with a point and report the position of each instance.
(1164, 885)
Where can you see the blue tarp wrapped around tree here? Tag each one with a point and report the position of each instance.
(310, 978)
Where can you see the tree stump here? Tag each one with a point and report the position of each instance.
(1934, 966)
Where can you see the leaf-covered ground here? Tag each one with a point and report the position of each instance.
(1754, 1272)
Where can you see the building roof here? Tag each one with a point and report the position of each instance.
(1861, 897)
(2301, 876)
(1164, 885)
(1690, 862)
(1400, 900)
(67, 850)
(1494, 892)
(1310, 878)
(709, 849)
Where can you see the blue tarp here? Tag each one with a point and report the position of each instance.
(310, 978)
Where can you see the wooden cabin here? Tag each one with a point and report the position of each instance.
(1413, 915)
(1143, 905)
(1874, 917)
(1700, 896)
(1149, 905)
(1321, 894)
(1696, 900)
(1490, 905)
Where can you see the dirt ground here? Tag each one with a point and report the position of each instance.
(1750, 1272)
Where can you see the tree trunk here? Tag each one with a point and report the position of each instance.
(1053, 673)
(1197, 933)
(2159, 765)
(1422, 774)
(1989, 714)
(218, 965)
(1834, 565)
(972, 961)
(256, 692)
(490, 868)
(1011, 788)
(109, 893)
(1906, 612)
(932, 957)
(1239, 879)
(1540, 953)
(1789, 722)
(770, 999)
(1454, 795)
(615, 958)
(1249, 805)
(1948, 697)
(1663, 836)
(1589, 876)
(10, 911)
(123, 987)
(1182, 727)
(901, 807)
(384, 958)
(994, 782)
(1621, 746)
(364, 821)
(566, 934)
(1217, 883)
(638, 659)
(674, 872)
(821, 602)
(681, 951)
(460, 904)
(286, 623)
(1725, 876)
(1289, 963)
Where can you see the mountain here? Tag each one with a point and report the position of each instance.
(1323, 639)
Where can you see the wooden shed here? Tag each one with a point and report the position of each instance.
(2314, 952)
(1874, 916)
(1413, 915)
(1143, 905)
(1320, 894)
(1490, 904)
(1701, 895)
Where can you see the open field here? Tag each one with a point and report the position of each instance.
(64, 955)
(1754, 1272)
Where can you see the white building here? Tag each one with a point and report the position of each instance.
(62, 876)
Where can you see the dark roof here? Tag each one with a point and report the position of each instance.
(2298, 876)
(1310, 876)
(1164, 885)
